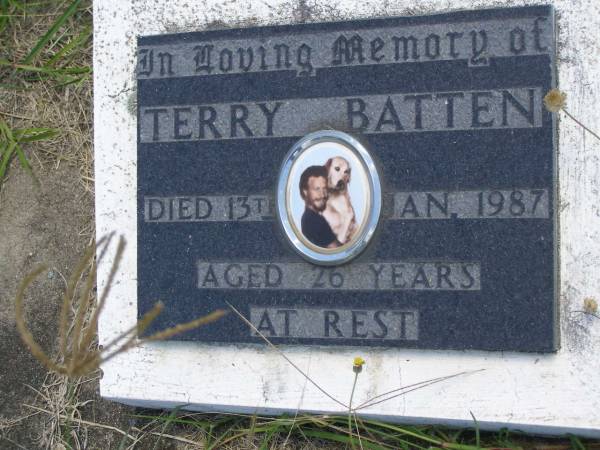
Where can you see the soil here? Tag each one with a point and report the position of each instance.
(51, 224)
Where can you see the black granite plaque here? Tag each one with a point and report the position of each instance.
(449, 110)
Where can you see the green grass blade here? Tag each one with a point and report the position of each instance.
(6, 13)
(210, 444)
(168, 421)
(23, 160)
(268, 436)
(344, 439)
(19, 151)
(388, 437)
(576, 443)
(26, 135)
(12, 140)
(46, 70)
(420, 435)
(74, 44)
(6, 159)
(404, 431)
(69, 81)
(477, 435)
(51, 71)
(51, 32)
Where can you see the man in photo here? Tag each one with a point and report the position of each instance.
(313, 190)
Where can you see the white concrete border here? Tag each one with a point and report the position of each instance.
(550, 394)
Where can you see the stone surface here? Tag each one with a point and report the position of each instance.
(450, 106)
(516, 390)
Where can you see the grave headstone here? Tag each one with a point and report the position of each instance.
(432, 221)
(389, 188)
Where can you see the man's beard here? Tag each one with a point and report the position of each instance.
(320, 206)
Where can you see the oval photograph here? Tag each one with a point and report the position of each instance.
(329, 197)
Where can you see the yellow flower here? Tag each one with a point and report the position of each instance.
(555, 100)
(590, 305)
(358, 362)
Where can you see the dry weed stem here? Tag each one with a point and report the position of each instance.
(77, 357)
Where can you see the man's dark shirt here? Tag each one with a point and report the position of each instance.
(316, 229)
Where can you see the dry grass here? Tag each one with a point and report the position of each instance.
(28, 100)
(60, 401)
(70, 112)
(78, 355)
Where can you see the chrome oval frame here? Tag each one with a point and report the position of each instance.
(330, 257)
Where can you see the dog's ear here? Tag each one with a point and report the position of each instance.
(328, 164)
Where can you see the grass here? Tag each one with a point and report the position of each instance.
(36, 74)
(11, 145)
(235, 431)
(52, 55)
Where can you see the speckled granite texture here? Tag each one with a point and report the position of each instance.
(460, 114)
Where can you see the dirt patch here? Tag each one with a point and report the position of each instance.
(43, 224)
(49, 224)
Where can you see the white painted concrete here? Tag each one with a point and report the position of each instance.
(539, 393)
